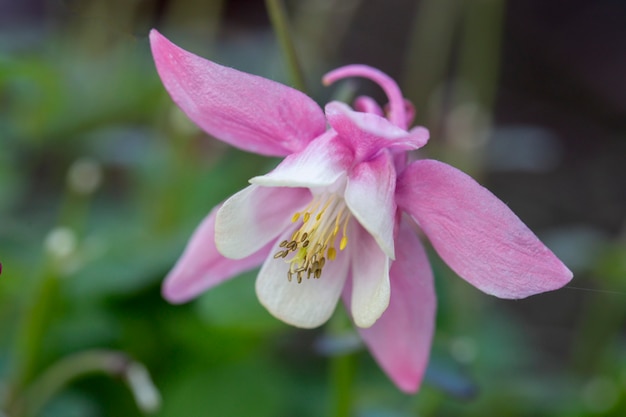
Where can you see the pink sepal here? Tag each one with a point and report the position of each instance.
(201, 266)
(250, 112)
(476, 234)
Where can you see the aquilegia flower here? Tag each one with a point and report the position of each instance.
(337, 217)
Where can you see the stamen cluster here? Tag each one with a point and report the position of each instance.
(314, 242)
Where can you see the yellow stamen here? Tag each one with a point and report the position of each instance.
(324, 220)
(343, 243)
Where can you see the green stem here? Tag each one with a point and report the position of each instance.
(342, 376)
(31, 337)
(431, 43)
(78, 365)
(341, 368)
(479, 58)
(40, 307)
(278, 18)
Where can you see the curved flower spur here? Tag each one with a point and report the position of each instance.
(327, 222)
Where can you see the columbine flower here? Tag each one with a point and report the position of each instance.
(327, 222)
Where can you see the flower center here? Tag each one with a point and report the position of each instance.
(314, 242)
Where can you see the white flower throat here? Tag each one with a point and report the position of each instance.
(313, 244)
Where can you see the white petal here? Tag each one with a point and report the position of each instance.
(201, 266)
(308, 304)
(320, 164)
(254, 216)
(370, 278)
(370, 197)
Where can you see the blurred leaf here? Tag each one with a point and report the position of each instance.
(251, 387)
(234, 304)
(447, 376)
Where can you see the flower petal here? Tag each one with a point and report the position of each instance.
(476, 234)
(397, 109)
(367, 133)
(201, 266)
(370, 196)
(308, 304)
(400, 340)
(367, 104)
(370, 278)
(320, 164)
(255, 216)
(244, 110)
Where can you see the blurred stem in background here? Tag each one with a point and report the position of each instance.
(202, 24)
(278, 18)
(112, 363)
(30, 338)
(603, 315)
(324, 25)
(428, 53)
(453, 67)
(83, 179)
(30, 390)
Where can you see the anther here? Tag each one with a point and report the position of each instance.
(323, 221)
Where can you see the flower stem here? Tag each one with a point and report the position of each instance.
(341, 368)
(278, 18)
(342, 376)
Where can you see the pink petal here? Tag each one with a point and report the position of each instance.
(401, 338)
(370, 278)
(201, 266)
(367, 104)
(255, 216)
(367, 133)
(320, 164)
(370, 197)
(409, 109)
(476, 234)
(244, 110)
(308, 304)
(397, 110)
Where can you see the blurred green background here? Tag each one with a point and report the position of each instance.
(102, 180)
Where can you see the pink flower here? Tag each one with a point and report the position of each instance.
(328, 221)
